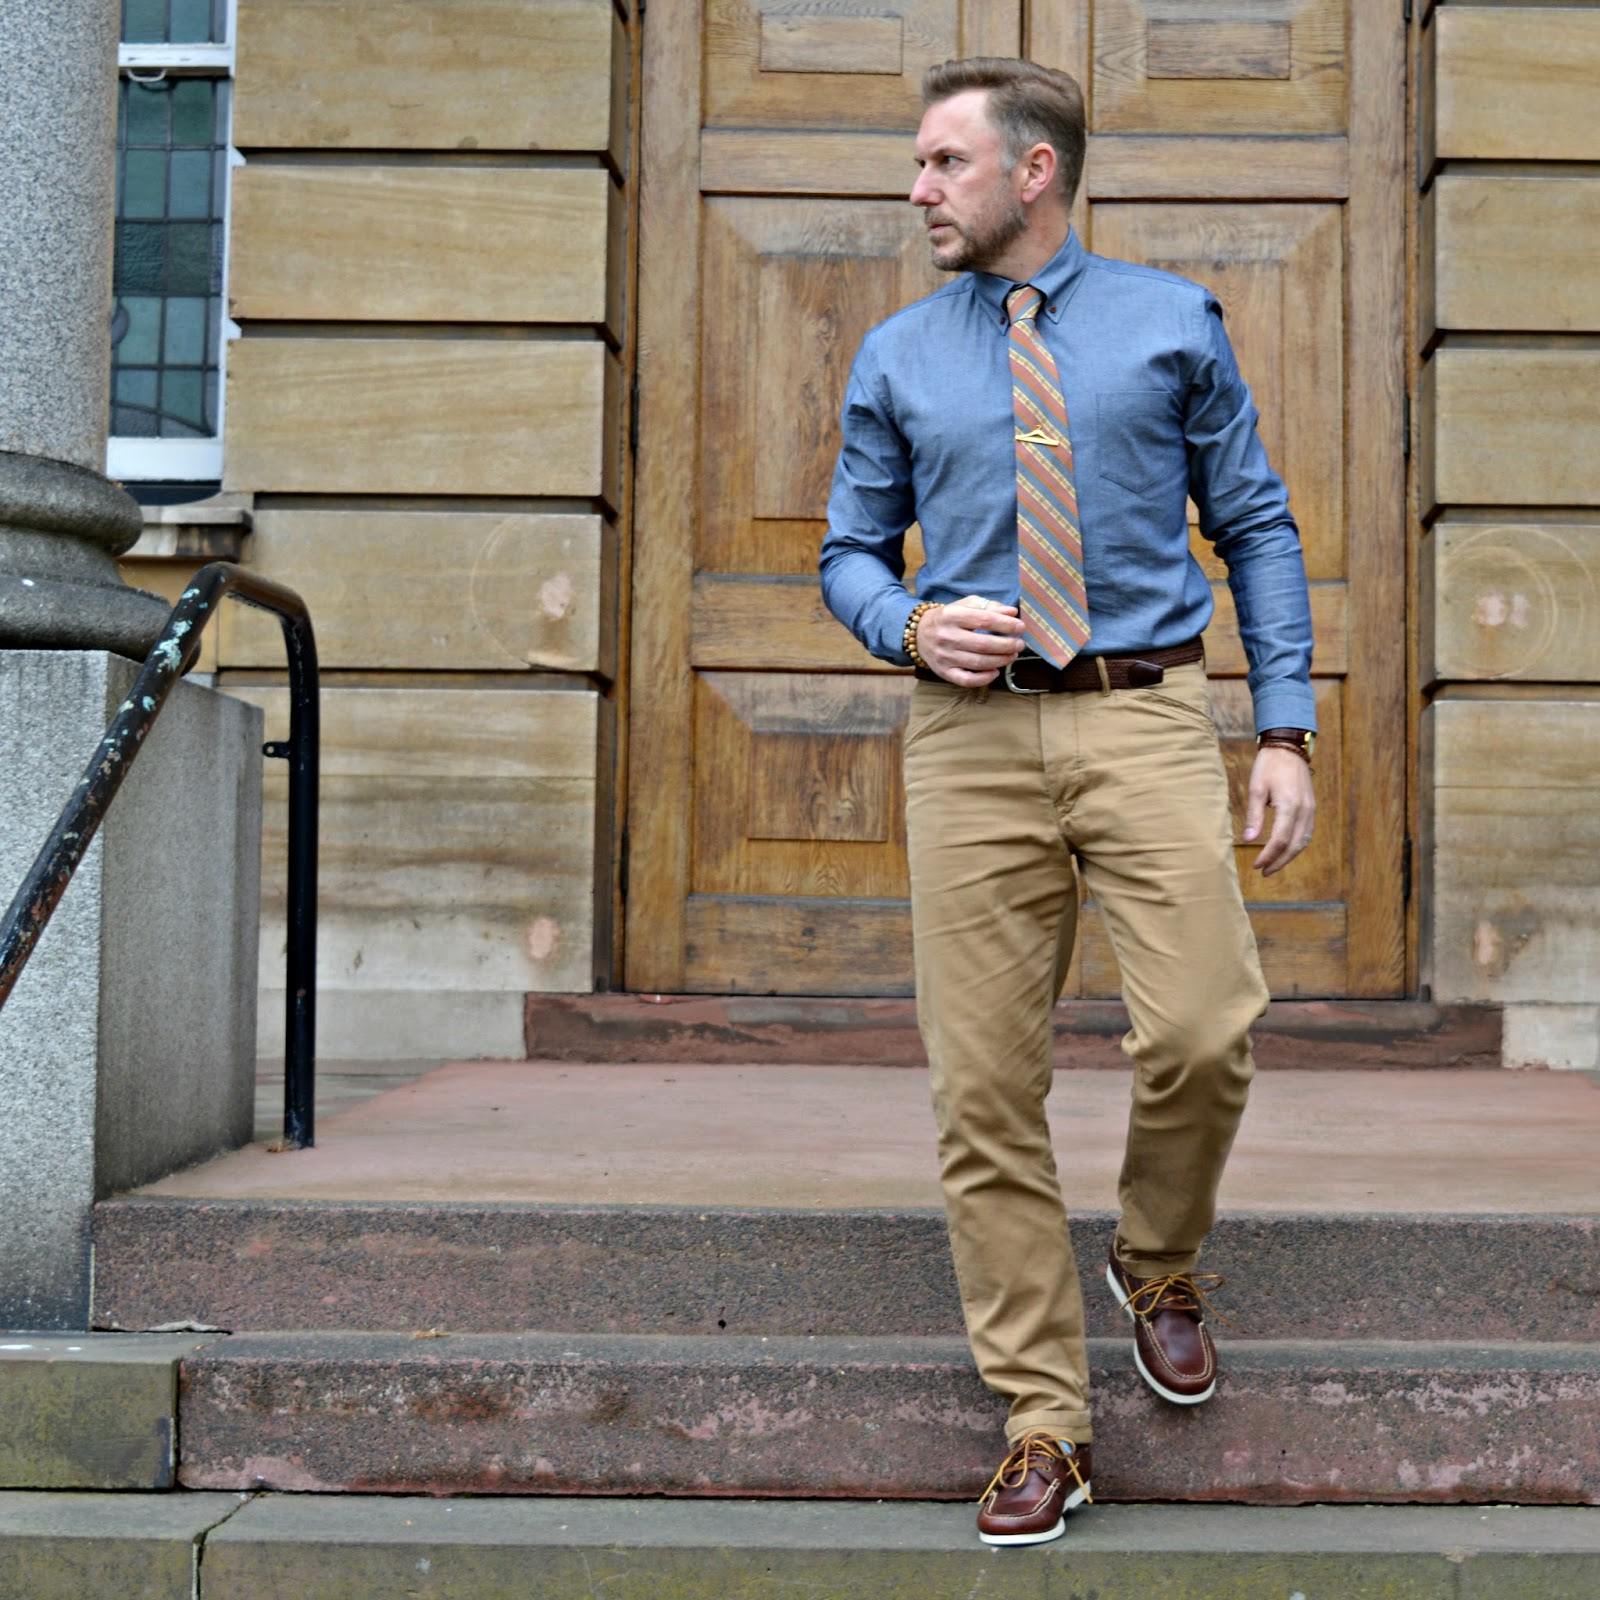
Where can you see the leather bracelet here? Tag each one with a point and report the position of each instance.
(909, 638)
(1267, 741)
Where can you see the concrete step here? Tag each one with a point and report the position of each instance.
(56, 1546)
(898, 1418)
(89, 1411)
(265, 1264)
(360, 1547)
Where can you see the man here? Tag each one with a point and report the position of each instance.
(1043, 417)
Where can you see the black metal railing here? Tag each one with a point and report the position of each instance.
(172, 656)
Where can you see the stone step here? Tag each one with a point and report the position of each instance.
(897, 1418)
(56, 1546)
(774, 1030)
(89, 1411)
(265, 1264)
(369, 1547)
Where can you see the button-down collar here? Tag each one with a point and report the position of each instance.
(1055, 280)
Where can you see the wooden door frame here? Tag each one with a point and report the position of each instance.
(666, 498)
(1371, 187)
(1375, 496)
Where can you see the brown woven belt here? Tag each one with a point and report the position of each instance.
(1030, 674)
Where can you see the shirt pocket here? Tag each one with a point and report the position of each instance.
(1136, 438)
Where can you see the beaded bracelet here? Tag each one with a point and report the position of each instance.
(909, 638)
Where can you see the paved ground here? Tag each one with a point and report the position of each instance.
(340, 1085)
(862, 1136)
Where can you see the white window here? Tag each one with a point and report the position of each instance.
(169, 331)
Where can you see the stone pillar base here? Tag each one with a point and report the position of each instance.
(61, 528)
(128, 1046)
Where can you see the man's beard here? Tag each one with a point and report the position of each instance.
(985, 240)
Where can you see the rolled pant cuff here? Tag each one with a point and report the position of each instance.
(1073, 1425)
(1142, 1268)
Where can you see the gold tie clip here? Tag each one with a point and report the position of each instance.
(1038, 436)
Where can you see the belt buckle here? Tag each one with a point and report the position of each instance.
(1013, 685)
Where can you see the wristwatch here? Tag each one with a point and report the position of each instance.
(1301, 740)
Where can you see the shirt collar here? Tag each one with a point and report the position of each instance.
(1055, 280)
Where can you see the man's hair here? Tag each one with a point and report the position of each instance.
(1028, 105)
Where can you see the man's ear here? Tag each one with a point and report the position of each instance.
(1039, 171)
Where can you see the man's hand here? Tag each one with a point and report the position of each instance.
(1282, 780)
(970, 642)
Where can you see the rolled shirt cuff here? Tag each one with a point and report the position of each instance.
(1286, 705)
(892, 641)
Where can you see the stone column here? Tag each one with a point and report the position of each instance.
(127, 1047)
(62, 523)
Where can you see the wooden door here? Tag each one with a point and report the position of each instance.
(1261, 155)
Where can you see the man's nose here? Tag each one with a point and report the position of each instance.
(923, 191)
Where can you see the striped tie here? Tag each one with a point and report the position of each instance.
(1055, 610)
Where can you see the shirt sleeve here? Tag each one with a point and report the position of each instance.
(1244, 512)
(870, 507)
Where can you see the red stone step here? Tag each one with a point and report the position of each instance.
(263, 1264)
(819, 1030)
(589, 1414)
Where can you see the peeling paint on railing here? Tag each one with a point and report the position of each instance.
(174, 652)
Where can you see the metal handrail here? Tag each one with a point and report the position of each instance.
(80, 820)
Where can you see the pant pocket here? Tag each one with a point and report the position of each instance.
(1197, 714)
(933, 710)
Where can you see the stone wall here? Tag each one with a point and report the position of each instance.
(1509, 509)
(425, 426)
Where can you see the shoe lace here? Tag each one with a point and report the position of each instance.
(1029, 1451)
(1177, 1291)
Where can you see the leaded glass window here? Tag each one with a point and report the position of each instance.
(167, 332)
(174, 21)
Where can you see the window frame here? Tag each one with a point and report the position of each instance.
(132, 458)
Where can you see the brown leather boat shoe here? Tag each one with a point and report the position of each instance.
(1172, 1347)
(1039, 1482)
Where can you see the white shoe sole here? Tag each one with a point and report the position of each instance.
(1074, 1500)
(1138, 1360)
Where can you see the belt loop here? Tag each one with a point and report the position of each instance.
(1105, 677)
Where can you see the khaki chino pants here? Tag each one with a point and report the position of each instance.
(1002, 791)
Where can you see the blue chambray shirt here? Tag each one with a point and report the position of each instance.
(1156, 410)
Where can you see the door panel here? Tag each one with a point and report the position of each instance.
(796, 284)
(743, 944)
(1278, 272)
(766, 813)
(1195, 66)
(768, 64)
(798, 785)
